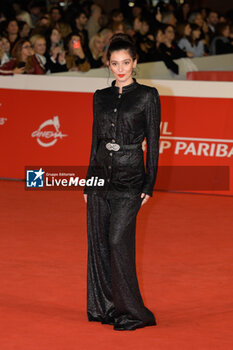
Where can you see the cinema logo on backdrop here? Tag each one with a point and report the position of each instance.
(60, 178)
(194, 146)
(48, 132)
(2, 121)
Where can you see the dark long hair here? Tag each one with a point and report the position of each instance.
(194, 26)
(180, 29)
(120, 41)
(69, 37)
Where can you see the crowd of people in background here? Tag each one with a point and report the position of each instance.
(42, 37)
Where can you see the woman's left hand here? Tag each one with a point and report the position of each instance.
(79, 52)
(55, 51)
(146, 197)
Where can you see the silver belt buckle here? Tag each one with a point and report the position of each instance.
(112, 146)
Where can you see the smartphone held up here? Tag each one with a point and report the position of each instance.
(76, 44)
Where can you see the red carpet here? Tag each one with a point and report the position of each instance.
(184, 264)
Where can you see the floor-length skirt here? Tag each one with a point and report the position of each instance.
(113, 294)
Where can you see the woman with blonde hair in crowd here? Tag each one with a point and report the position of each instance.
(96, 55)
(39, 46)
(76, 59)
(47, 62)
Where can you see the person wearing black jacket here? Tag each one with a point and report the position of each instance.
(169, 46)
(222, 44)
(124, 114)
(149, 51)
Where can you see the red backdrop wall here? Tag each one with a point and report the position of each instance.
(54, 128)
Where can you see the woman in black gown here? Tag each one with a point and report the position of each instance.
(123, 115)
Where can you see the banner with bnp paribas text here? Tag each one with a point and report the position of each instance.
(43, 126)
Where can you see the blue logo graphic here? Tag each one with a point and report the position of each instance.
(35, 178)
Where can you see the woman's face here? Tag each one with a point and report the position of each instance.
(26, 50)
(44, 22)
(136, 11)
(55, 15)
(72, 41)
(170, 34)
(199, 20)
(120, 29)
(145, 27)
(25, 31)
(160, 37)
(12, 27)
(222, 19)
(40, 46)
(205, 27)
(187, 30)
(121, 65)
(99, 44)
(186, 8)
(118, 18)
(196, 34)
(226, 32)
(55, 36)
(6, 45)
(137, 24)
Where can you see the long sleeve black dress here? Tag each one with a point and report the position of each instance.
(120, 124)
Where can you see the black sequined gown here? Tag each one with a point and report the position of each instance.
(113, 294)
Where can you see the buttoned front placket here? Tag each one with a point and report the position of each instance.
(113, 123)
(113, 127)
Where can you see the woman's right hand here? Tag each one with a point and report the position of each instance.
(74, 69)
(79, 52)
(55, 51)
(190, 54)
(85, 197)
(62, 57)
(18, 70)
